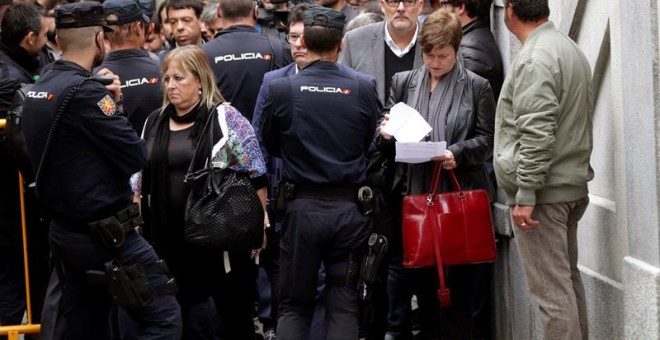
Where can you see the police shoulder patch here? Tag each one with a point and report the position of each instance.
(107, 105)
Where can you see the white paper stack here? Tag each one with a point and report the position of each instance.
(419, 152)
(409, 128)
(406, 124)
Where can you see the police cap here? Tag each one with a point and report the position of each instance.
(125, 10)
(80, 14)
(325, 17)
(147, 7)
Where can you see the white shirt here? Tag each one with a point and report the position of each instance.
(395, 49)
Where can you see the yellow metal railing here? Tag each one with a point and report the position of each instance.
(12, 332)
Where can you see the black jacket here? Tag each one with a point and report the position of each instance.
(481, 55)
(469, 125)
(16, 67)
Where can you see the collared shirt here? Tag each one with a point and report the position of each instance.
(395, 49)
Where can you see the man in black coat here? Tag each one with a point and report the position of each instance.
(23, 37)
(479, 50)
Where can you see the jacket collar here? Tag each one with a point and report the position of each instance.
(456, 100)
(477, 24)
(125, 54)
(237, 28)
(545, 27)
(28, 64)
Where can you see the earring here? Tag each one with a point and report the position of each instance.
(200, 91)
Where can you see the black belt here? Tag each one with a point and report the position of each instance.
(341, 193)
(129, 218)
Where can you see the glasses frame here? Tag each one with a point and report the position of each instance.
(292, 41)
(406, 3)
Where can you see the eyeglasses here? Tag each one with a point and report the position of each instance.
(291, 38)
(406, 3)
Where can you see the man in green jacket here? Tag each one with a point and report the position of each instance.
(543, 143)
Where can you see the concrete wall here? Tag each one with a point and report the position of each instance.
(619, 236)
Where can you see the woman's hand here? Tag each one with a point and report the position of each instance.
(256, 252)
(115, 87)
(448, 160)
(383, 122)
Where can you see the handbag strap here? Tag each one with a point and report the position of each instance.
(444, 295)
(435, 180)
(207, 132)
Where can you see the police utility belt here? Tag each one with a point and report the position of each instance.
(286, 191)
(110, 231)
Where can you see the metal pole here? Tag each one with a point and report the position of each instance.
(28, 301)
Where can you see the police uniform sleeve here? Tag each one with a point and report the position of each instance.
(272, 112)
(108, 130)
(256, 117)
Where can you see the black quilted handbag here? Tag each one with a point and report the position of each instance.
(223, 210)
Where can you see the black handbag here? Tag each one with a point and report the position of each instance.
(223, 210)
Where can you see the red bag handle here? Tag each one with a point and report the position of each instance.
(435, 181)
(444, 294)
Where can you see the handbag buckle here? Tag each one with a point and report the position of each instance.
(429, 200)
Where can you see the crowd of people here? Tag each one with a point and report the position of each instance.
(112, 102)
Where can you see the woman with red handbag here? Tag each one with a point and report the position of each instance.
(460, 108)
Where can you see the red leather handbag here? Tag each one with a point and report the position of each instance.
(463, 218)
(447, 229)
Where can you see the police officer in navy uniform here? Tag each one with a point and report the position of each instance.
(321, 122)
(139, 73)
(84, 186)
(240, 55)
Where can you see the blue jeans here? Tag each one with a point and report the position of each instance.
(86, 307)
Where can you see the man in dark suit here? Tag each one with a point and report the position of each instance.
(270, 257)
(394, 41)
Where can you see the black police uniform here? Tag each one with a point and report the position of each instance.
(321, 122)
(239, 57)
(140, 83)
(93, 152)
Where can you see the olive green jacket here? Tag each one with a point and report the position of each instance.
(543, 123)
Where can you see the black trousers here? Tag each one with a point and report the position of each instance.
(319, 231)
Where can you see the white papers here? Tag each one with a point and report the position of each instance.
(406, 124)
(419, 152)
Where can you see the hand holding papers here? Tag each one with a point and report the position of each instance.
(406, 124)
(409, 128)
(418, 152)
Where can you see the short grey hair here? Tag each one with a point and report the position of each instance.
(210, 12)
(363, 20)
